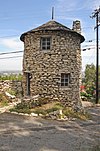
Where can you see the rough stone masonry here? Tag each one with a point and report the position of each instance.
(52, 62)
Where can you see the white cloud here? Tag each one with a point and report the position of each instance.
(11, 43)
(11, 64)
(92, 4)
(89, 56)
(65, 5)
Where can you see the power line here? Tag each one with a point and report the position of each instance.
(89, 57)
(11, 57)
(91, 40)
(4, 53)
(89, 48)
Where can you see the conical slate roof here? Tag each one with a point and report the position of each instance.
(51, 26)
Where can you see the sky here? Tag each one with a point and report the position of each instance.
(17, 17)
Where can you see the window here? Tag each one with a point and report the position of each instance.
(45, 43)
(65, 79)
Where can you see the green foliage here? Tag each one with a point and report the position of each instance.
(28, 108)
(85, 96)
(21, 108)
(90, 78)
(39, 102)
(40, 111)
(11, 77)
(3, 100)
(51, 109)
(96, 148)
(89, 81)
(12, 92)
(56, 107)
(69, 112)
(3, 103)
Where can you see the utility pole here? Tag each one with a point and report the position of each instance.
(96, 15)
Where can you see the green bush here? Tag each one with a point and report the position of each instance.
(40, 111)
(86, 97)
(11, 77)
(3, 100)
(69, 112)
(12, 92)
(21, 108)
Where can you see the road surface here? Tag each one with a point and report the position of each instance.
(23, 133)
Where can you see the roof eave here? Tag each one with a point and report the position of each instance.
(32, 31)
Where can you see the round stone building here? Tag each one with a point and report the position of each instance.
(52, 62)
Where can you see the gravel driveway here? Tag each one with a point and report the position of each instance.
(23, 133)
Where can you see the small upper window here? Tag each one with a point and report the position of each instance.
(45, 43)
(65, 78)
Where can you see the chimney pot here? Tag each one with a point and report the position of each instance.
(77, 26)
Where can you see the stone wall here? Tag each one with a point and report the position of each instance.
(46, 66)
(15, 86)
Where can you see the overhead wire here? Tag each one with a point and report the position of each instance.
(4, 53)
(11, 57)
(89, 57)
(13, 52)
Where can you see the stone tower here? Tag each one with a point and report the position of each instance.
(52, 63)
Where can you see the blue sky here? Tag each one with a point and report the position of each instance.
(17, 17)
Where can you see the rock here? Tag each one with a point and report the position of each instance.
(53, 117)
(26, 114)
(41, 115)
(21, 113)
(34, 114)
(10, 96)
(14, 112)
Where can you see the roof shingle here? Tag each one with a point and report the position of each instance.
(51, 26)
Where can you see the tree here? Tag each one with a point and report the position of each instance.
(90, 78)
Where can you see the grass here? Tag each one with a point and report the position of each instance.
(21, 108)
(50, 108)
(3, 100)
(12, 92)
(3, 103)
(44, 109)
(96, 148)
(25, 110)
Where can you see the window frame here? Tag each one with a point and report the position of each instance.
(44, 42)
(65, 79)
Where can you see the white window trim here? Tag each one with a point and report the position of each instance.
(64, 83)
(41, 43)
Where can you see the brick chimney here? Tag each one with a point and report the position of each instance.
(77, 26)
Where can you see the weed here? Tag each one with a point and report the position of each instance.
(39, 111)
(69, 112)
(12, 92)
(21, 108)
(96, 148)
(3, 100)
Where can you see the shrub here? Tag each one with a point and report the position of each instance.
(39, 111)
(12, 92)
(85, 96)
(11, 77)
(21, 108)
(3, 100)
(69, 112)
